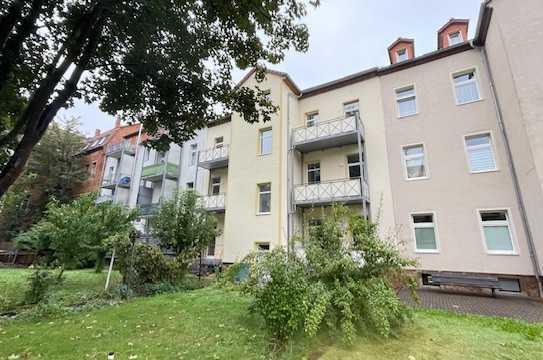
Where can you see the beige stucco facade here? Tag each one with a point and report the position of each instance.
(454, 195)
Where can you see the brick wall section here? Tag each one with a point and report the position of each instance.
(113, 136)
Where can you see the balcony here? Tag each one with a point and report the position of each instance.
(213, 203)
(214, 158)
(347, 191)
(148, 209)
(104, 198)
(116, 150)
(157, 172)
(120, 180)
(327, 134)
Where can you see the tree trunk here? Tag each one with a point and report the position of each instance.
(8, 21)
(38, 114)
(11, 49)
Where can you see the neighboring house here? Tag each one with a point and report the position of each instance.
(100, 152)
(416, 145)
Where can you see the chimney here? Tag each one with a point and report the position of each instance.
(401, 50)
(97, 132)
(454, 32)
(117, 122)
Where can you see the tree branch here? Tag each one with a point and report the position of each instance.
(11, 51)
(8, 21)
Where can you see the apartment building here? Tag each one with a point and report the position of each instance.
(417, 145)
(102, 155)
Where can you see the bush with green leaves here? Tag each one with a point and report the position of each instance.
(73, 234)
(184, 226)
(39, 284)
(341, 283)
(142, 265)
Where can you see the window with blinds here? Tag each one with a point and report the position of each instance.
(406, 101)
(480, 153)
(415, 162)
(465, 87)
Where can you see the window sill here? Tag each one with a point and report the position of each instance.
(418, 178)
(263, 213)
(505, 253)
(407, 116)
(469, 102)
(262, 155)
(426, 251)
(484, 171)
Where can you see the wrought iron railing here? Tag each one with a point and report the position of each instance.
(330, 128)
(123, 146)
(213, 202)
(120, 179)
(213, 154)
(330, 191)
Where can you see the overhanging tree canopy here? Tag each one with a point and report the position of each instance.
(167, 63)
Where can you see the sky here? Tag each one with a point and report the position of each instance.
(345, 36)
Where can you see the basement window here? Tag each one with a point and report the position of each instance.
(263, 246)
(509, 285)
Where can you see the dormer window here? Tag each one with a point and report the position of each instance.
(401, 55)
(455, 38)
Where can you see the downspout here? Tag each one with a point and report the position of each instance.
(133, 175)
(514, 176)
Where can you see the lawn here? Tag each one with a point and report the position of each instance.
(77, 286)
(212, 323)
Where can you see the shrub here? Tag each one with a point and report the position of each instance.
(39, 282)
(341, 282)
(142, 264)
(280, 289)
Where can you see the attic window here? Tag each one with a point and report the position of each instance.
(401, 55)
(455, 38)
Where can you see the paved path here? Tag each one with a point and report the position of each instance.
(503, 306)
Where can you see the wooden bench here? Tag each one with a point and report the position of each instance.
(474, 281)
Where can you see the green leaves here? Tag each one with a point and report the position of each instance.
(341, 283)
(75, 233)
(183, 226)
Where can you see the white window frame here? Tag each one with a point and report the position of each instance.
(259, 194)
(215, 184)
(309, 121)
(355, 164)
(398, 55)
(348, 103)
(425, 225)
(426, 163)
(259, 243)
(510, 225)
(261, 133)
(492, 148)
(475, 79)
(402, 88)
(193, 154)
(313, 171)
(459, 36)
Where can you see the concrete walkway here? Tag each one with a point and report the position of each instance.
(502, 306)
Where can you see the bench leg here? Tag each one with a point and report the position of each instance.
(493, 292)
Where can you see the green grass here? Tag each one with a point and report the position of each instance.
(212, 323)
(77, 286)
(215, 324)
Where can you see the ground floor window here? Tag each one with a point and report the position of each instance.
(263, 246)
(211, 248)
(424, 230)
(496, 228)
